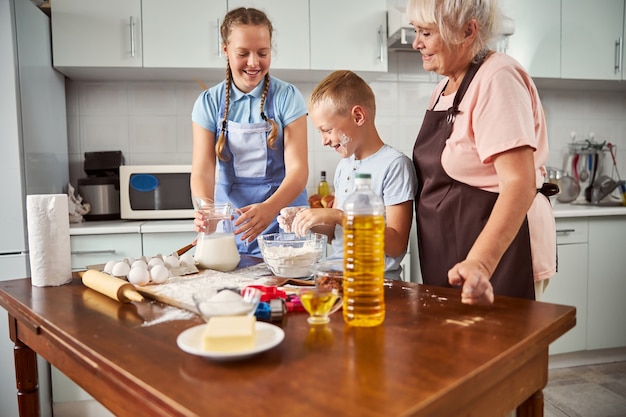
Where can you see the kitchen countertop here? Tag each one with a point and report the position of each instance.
(104, 227)
(586, 210)
(186, 225)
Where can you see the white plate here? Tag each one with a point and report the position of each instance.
(267, 336)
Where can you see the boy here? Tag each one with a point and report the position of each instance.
(343, 109)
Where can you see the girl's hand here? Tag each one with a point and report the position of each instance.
(202, 224)
(198, 221)
(252, 221)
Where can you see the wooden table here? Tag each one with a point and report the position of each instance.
(432, 357)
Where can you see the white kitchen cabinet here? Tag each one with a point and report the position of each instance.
(591, 33)
(101, 248)
(569, 285)
(607, 283)
(349, 34)
(182, 34)
(165, 243)
(91, 33)
(536, 43)
(290, 40)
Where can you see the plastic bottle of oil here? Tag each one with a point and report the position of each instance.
(323, 188)
(364, 256)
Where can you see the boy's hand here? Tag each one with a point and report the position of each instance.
(286, 216)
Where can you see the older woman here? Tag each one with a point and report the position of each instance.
(483, 222)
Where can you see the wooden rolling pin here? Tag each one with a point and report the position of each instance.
(111, 286)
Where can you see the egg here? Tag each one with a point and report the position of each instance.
(171, 261)
(138, 276)
(129, 260)
(120, 269)
(109, 266)
(155, 261)
(186, 259)
(159, 274)
(139, 264)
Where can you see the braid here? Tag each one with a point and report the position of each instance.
(221, 142)
(271, 139)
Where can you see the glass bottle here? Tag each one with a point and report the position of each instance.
(323, 188)
(364, 256)
(216, 247)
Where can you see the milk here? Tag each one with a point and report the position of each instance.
(217, 251)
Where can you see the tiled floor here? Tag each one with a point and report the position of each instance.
(586, 391)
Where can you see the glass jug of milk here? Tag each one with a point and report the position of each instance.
(216, 247)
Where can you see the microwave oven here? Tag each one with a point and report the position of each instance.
(155, 192)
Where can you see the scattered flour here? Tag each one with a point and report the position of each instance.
(170, 314)
(181, 288)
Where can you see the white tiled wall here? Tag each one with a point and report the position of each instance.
(150, 122)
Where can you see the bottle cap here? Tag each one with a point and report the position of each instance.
(323, 173)
(363, 176)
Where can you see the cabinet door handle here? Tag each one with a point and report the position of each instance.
(218, 37)
(92, 252)
(618, 55)
(381, 43)
(132, 37)
(565, 231)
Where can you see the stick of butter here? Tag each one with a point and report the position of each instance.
(229, 334)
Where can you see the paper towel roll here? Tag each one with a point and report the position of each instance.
(49, 239)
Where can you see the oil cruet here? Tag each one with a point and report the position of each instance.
(216, 247)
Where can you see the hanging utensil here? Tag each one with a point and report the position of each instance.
(583, 175)
(575, 166)
(589, 188)
(570, 189)
(619, 179)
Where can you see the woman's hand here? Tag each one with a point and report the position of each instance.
(474, 279)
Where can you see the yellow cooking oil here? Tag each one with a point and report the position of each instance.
(323, 188)
(364, 269)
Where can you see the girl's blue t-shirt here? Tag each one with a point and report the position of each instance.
(289, 105)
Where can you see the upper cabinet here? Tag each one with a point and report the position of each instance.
(536, 43)
(151, 39)
(348, 34)
(592, 33)
(290, 40)
(90, 33)
(182, 33)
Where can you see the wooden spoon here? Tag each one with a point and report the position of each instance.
(274, 281)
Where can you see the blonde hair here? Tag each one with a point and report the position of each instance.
(451, 15)
(243, 17)
(340, 91)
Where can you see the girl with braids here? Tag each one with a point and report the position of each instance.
(254, 126)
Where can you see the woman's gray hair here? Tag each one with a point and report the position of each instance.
(449, 16)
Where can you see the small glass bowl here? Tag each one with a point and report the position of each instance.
(227, 302)
(290, 256)
(329, 275)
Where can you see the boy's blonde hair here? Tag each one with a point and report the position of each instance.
(340, 91)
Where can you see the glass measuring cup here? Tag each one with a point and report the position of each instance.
(216, 247)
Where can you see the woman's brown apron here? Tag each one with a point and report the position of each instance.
(450, 214)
